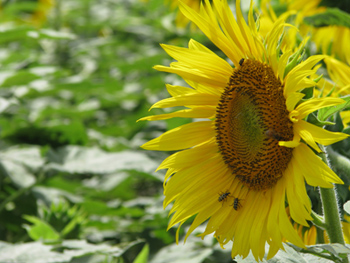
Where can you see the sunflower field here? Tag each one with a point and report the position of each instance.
(250, 164)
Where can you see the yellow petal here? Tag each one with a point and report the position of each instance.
(191, 134)
(207, 78)
(190, 157)
(322, 136)
(291, 144)
(338, 71)
(287, 228)
(296, 78)
(193, 44)
(195, 112)
(298, 200)
(300, 129)
(293, 99)
(198, 59)
(315, 171)
(179, 90)
(312, 105)
(206, 21)
(187, 100)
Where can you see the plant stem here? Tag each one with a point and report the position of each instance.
(331, 211)
(318, 220)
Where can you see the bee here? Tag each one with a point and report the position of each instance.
(236, 204)
(241, 61)
(271, 133)
(223, 196)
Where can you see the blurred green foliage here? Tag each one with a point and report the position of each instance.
(74, 184)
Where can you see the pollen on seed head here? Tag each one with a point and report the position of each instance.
(250, 120)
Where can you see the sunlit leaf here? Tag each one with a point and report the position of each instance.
(77, 159)
(325, 113)
(40, 230)
(330, 17)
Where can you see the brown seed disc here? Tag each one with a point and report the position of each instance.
(250, 120)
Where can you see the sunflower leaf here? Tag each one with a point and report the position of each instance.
(334, 252)
(325, 113)
(331, 17)
(143, 255)
(312, 118)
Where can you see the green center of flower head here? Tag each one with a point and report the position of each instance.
(251, 119)
(246, 126)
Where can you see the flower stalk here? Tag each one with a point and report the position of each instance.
(331, 212)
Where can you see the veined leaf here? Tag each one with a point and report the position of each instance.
(325, 113)
(331, 17)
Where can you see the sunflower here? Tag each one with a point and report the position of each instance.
(37, 17)
(331, 40)
(40, 15)
(310, 237)
(339, 72)
(237, 168)
(308, 234)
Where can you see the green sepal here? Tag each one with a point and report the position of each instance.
(309, 93)
(294, 60)
(325, 113)
(312, 118)
(328, 94)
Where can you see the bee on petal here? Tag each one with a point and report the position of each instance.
(236, 204)
(223, 196)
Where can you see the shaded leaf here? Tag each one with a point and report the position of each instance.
(12, 34)
(331, 17)
(325, 113)
(19, 78)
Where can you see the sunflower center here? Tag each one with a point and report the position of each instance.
(251, 118)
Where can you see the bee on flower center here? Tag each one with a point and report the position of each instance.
(271, 133)
(236, 204)
(241, 61)
(223, 196)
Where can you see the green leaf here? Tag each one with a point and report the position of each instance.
(51, 34)
(6, 103)
(333, 252)
(48, 195)
(19, 78)
(40, 230)
(325, 113)
(75, 159)
(54, 136)
(191, 252)
(289, 255)
(31, 252)
(63, 253)
(331, 17)
(142, 257)
(13, 34)
(21, 163)
(314, 120)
